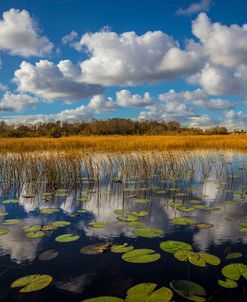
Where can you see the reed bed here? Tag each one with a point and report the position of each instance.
(124, 143)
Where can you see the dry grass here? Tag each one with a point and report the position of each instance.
(124, 143)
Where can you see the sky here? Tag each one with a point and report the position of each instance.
(73, 60)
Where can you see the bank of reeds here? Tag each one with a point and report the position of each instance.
(124, 143)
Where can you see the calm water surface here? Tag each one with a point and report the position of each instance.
(219, 189)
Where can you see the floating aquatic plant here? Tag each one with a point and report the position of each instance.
(32, 283)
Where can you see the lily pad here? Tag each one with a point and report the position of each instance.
(148, 232)
(204, 225)
(127, 218)
(234, 255)
(35, 235)
(141, 200)
(121, 248)
(4, 231)
(198, 259)
(48, 255)
(172, 246)
(11, 221)
(146, 292)
(183, 221)
(234, 271)
(7, 201)
(2, 213)
(32, 228)
(141, 256)
(189, 290)
(48, 228)
(99, 224)
(136, 224)
(61, 223)
(228, 283)
(94, 249)
(139, 213)
(66, 238)
(104, 299)
(32, 283)
(48, 211)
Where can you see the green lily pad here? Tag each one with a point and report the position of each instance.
(186, 209)
(145, 292)
(119, 212)
(121, 248)
(189, 290)
(234, 255)
(32, 228)
(136, 224)
(7, 201)
(32, 283)
(35, 235)
(94, 249)
(141, 200)
(99, 224)
(82, 211)
(234, 271)
(2, 213)
(28, 196)
(198, 259)
(66, 238)
(61, 223)
(141, 256)
(11, 221)
(127, 218)
(148, 232)
(228, 283)
(204, 225)
(48, 211)
(243, 230)
(183, 221)
(48, 228)
(172, 246)
(4, 231)
(139, 213)
(243, 224)
(104, 299)
(48, 255)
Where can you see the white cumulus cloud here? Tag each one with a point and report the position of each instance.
(193, 8)
(19, 35)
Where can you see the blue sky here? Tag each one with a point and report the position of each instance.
(71, 60)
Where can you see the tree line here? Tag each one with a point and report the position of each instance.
(115, 126)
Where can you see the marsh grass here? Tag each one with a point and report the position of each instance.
(124, 143)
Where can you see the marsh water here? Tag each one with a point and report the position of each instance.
(208, 188)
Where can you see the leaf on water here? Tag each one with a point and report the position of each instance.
(7, 201)
(141, 256)
(35, 235)
(32, 283)
(32, 228)
(94, 249)
(148, 232)
(2, 213)
(48, 255)
(61, 223)
(186, 209)
(127, 218)
(243, 224)
(172, 246)
(104, 299)
(141, 200)
(198, 259)
(11, 221)
(204, 225)
(146, 292)
(189, 290)
(228, 283)
(234, 271)
(28, 196)
(136, 224)
(98, 224)
(139, 213)
(121, 248)
(4, 231)
(183, 221)
(234, 255)
(66, 238)
(119, 212)
(48, 228)
(48, 211)
(82, 211)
